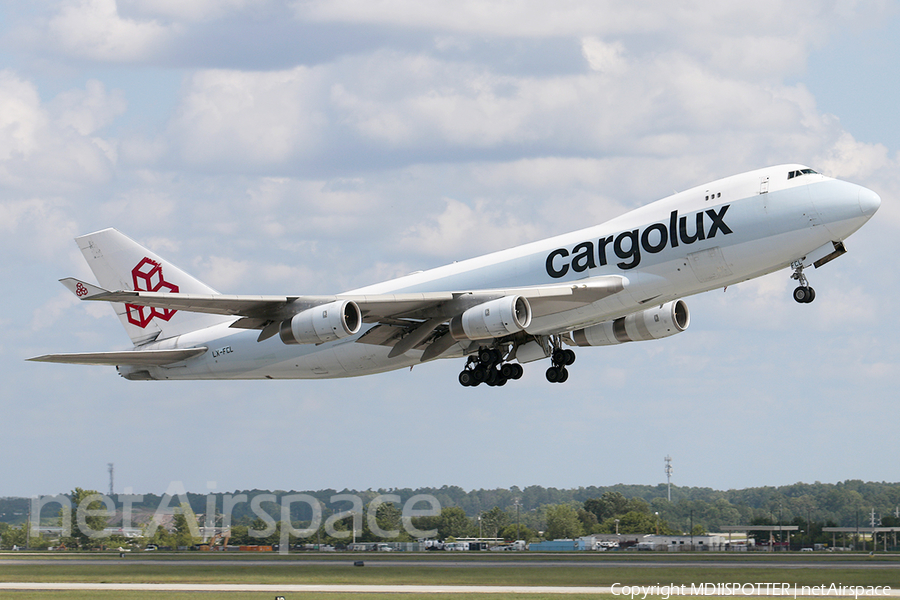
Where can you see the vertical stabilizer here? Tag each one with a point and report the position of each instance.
(120, 263)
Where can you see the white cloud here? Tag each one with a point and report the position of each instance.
(225, 273)
(193, 11)
(21, 117)
(88, 110)
(853, 160)
(94, 29)
(51, 146)
(534, 18)
(604, 57)
(387, 104)
(250, 119)
(37, 227)
(468, 230)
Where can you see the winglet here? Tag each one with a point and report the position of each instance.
(83, 289)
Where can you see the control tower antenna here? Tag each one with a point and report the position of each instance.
(111, 487)
(669, 476)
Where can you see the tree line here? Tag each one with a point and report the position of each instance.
(536, 512)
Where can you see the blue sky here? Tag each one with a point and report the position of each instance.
(314, 147)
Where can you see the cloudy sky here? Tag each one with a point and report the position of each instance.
(316, 146)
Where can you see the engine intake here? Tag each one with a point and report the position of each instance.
(496, 318)
(651, 324)
(324, 323)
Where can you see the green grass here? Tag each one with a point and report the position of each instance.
(374, 574)
(466, 569)
(117, 595)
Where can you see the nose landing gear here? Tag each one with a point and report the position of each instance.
(803, 294)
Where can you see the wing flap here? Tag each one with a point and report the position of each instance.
(144, 358)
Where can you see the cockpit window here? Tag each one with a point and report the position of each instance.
(801, 172)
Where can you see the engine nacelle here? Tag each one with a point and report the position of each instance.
(496, 318)
(324, 323)
(651, 324)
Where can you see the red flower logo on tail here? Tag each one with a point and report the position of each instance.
(147, 276)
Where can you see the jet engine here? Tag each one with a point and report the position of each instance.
(651, 324)
(324, 323)
(496, 318)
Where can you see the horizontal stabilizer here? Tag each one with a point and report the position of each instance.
(82, 289)
(145, 358)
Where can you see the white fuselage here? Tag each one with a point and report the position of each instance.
(708, 237)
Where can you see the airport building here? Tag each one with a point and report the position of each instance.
(659, 543)
(680, 543)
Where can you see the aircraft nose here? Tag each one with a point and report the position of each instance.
(869, 201)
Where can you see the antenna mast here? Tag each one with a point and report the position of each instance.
(669, 476)
(111, 487)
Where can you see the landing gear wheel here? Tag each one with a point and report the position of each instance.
(804, 294)
(570, 357)
(553, 374)
(559, 356)
(466, 379)
(557, 374)
(486, 356)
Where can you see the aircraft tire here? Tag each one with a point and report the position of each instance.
(559, 357)
(803, 294)
(466, 379)
(552, 374)
(570, 356)
(512, 371)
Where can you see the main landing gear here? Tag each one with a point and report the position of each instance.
(487, 366)
(561, 358)
(803, 293)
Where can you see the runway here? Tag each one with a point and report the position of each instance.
(279, 590)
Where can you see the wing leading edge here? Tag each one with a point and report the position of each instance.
(142, 358)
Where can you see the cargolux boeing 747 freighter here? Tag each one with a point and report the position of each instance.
(621, 281)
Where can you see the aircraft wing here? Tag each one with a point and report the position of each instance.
(375, 308)
(407, 320)
(144, 358)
